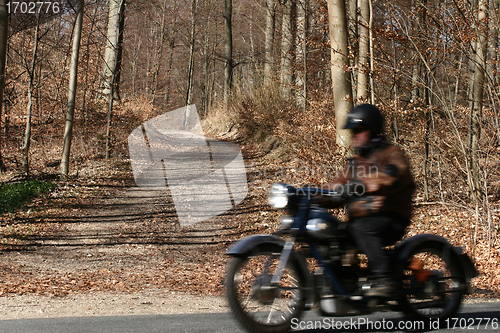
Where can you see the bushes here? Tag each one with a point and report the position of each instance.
(262, 113)
(13, 196)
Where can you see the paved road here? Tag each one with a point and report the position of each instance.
(483, 317)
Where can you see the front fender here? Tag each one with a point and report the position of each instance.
(247, 244)
(257, 243)
(405, 248)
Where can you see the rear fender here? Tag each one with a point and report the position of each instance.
(257, 243)
(405, 248)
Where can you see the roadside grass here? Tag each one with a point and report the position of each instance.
(15, 195)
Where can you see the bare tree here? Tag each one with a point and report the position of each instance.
(372, 62)
(493, 42)
(286, 48)
(113, 45)
(68, 130)
(31, 74)
(364, 49)
(86, 85)
(341, 78)
(301, 54)
(110, 113)
(478, 93)
(159, 53)
(420, 27)
(192, 42)
(269, 41)
(228, 71)
(4, 27)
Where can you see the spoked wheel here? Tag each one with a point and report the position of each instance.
(433, 284)
(257, 305)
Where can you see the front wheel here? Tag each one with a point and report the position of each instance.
(432, 283)
(256, 304)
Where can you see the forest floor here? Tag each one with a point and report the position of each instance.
(99, 245)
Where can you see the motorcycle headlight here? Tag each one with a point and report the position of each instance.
(279, 196)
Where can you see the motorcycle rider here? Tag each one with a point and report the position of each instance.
(379, 185)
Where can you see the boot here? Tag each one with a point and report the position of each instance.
(381, 287)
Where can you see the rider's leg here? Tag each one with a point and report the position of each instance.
(371, 233)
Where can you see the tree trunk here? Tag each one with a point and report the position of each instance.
(372, 62)
(495, 29)
(254, 76)
(110, 115)
(159, 54)
(352, 41)
(4, 27)
(341, 82)
(421, 31)
(27, 135)
(492, 65)
(170, 58)
(477, 94)
(269, 41)
(364, 49)
(85, 100)
(228, 70)
(68, 130)
(301, 55)
(189, 93)
(206, 70)
(133, 64)
(286, 46)
(113, 44)
(212, 94)
(415, 76)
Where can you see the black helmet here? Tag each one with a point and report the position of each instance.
(367, 116)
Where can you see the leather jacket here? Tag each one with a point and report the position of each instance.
(384, 172)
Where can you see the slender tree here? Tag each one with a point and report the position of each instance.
(364, 49)
(286, 48)
(68, 130)
(228, 70)
(301, 55)
(192, 42)
(4, 27)
(341, 78)
(478, 94)
(31, 76)
(159, 53)
(372, 62)
(269, 41)
(110, 114)
(113, 46)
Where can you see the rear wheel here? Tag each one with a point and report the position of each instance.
(433, 283)
(258, 306)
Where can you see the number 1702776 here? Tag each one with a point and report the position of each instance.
(33, 7)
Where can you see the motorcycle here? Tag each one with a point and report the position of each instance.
(272, 279)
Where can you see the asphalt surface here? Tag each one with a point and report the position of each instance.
(483, 317)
